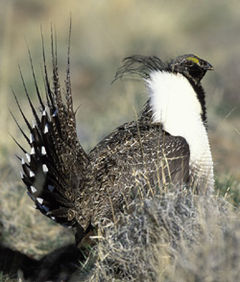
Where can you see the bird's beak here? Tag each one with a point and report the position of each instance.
(208, 67)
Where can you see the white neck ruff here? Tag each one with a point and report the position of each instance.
(175, 105)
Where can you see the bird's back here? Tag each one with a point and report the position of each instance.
(134, 160)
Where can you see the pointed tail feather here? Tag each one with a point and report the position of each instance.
(55, 167)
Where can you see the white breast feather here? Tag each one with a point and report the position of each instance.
(175, 105)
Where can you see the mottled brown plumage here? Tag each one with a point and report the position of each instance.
(138, 158)
(125, 165)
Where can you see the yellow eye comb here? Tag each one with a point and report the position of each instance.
(193, 59)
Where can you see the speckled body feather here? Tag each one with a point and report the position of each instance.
(125, 165)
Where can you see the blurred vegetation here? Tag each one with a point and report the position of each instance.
(104, 32)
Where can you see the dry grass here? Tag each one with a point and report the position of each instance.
(173, 237)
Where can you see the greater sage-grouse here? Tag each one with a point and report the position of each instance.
(167, 144)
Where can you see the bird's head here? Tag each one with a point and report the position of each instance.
(191, 66)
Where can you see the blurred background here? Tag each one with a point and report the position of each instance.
(103, 33)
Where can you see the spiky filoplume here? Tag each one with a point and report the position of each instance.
(81, 190)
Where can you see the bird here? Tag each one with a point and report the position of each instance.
(166, 145)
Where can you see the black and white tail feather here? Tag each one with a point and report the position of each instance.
(53, 169)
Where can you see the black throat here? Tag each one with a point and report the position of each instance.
(201, 98)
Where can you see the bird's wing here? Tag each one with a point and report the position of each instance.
(136, 159)
(54, 170)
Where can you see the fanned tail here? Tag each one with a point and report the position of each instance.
(54, 170)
